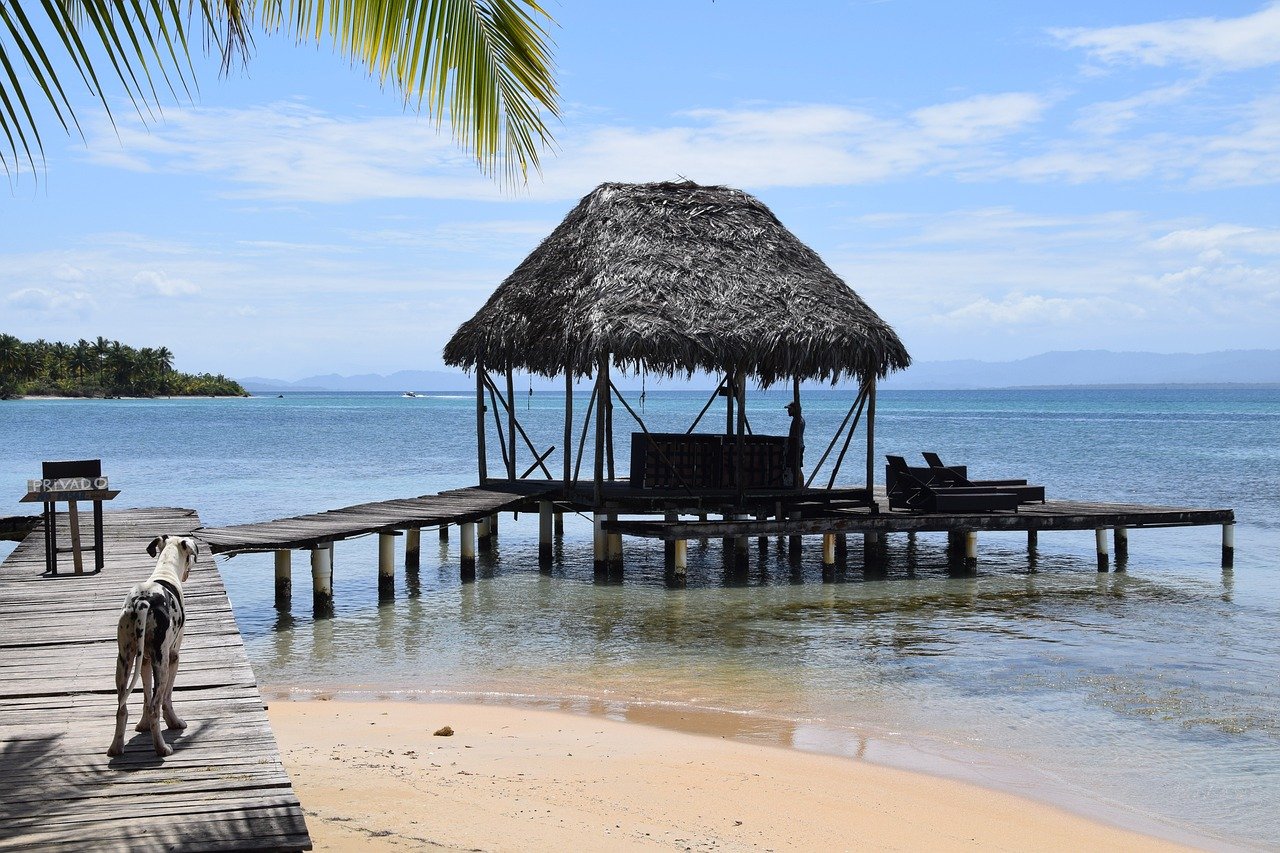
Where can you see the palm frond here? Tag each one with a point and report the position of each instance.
(485, 65)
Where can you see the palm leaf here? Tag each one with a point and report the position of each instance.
(485, 65)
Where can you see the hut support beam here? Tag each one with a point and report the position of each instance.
(284, 578)
(511, 427)
(568, 429)
(871, 434)
(740, 455)
(602, 376)
(481, 459)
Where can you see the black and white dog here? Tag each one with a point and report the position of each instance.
(150, 630)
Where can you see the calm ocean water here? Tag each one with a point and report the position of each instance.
(1149, 697)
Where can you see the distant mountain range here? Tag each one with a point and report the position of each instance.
(1081, 367)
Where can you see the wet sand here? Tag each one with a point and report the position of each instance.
(372, 776)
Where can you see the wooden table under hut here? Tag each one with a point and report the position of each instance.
(676, 279)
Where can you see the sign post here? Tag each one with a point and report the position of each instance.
(70, 482)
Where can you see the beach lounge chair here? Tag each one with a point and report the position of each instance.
(927, 490)
(959, 476)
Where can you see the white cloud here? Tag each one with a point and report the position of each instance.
(294, 153)
(1106, 118)
(1250, 41)
(43, 301)
(158, 283)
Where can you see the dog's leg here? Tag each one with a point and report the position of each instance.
(171, 717)
(160, 671)
(125, 662)
(148, 671)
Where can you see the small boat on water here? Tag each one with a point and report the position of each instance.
(408, 394)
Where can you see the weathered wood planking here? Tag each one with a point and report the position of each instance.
(1051, 515)
(455, 506)
(223, 788)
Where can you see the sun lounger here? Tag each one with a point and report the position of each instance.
(926, 490)
(959, 475)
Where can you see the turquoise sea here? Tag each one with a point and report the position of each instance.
(1148, 697)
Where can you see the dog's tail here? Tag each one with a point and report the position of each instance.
(141, 612)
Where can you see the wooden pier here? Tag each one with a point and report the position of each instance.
(223, 788)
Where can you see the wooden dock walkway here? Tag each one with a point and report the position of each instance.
(1032, 517)
(223, 788)
(455, 506)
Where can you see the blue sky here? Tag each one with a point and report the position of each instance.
(996, 179)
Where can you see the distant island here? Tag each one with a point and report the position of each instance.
(100, 368)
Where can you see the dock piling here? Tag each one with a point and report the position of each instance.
(412, 548)
(544, 535)
(386, 565)
(828, 556)
(1228, 545)
(444, 533)
(669, 546)
(322, 578)
(284, 578)
(559, 523)
(467, 532)
(681, 561)
(1104, 552)
(971, 550)
(613, 546)
(597, 544)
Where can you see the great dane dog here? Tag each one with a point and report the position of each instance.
(150, 632)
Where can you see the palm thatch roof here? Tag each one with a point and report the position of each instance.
(674, 278)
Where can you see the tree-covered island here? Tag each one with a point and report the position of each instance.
(100, 368)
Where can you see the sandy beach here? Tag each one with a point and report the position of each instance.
(373, 776)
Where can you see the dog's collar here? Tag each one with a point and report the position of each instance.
(171, 586)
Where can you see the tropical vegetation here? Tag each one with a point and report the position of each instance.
(484, 64)
(100, 368)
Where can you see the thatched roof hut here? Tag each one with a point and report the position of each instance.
(674, 278)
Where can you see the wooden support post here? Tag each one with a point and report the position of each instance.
(955, 543)
(1104, 555)
(481, 459)
(284, 578)
(870, 552)
(730, 397)
(386, 565)
(599, 549)
(971, 549)
(322, 578)
(1033, 541)
(828, 556)
(681, 561)
(511, 426)
(842, 551)
(762, 542)
(568, 435)
(740, 451)
(482, 530)
(73, 517)
(871, 435)
(493, 526)
(669, 546)
(467, 532)
(1121, 537)
(444, 533)
(544, 535)
(412, 548)
(1228, 545)
(613, 543)
(559, 523)
(602, 377)
(794, 543)
(702, 519)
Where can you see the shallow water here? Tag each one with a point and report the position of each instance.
(1149, 697)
